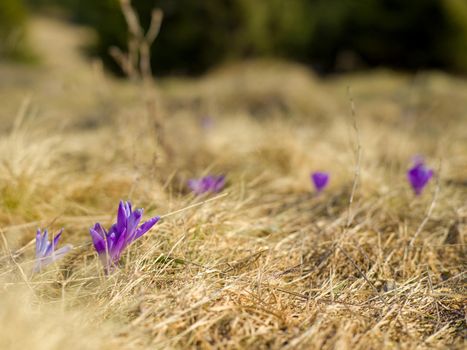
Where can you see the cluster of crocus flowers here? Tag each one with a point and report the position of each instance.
(46, 252)
(419, 175)
(320, 180)
(207, 184)
(111, 244)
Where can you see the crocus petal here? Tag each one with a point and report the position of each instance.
(133, 222)
(419, 176)
(208, 183)
(100, 230)
(47, 260)
(112, 238)
(320, 180)
(53, 245)
(38, 241)
(128, 208)
(219, 184)
(49, 250)
(118, 247)
(194, 185)
(146, 226)
(98, 239)
(59, 253)
(57, 238)
(45, 250)
(122, 215)
(112, 230)
(44, 242)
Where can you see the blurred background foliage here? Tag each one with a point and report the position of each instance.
(13, 41)
(330, 35)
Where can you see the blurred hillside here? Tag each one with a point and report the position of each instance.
(330, 35)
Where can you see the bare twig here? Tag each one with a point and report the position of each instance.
(358, 153)
(137, 62)
(147, 41)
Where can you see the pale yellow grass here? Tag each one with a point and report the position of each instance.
(267, 265)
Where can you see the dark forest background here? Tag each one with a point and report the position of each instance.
(329, 35)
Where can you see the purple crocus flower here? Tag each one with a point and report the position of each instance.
(206, 184)
(207, 122)
(419, 175)
(110, 245)
(320, 180)
(45, 250)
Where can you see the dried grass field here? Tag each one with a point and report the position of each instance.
(264, 264)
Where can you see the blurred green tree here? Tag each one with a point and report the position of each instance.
(400, 33)
(13, 17)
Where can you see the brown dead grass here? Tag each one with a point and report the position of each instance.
(268, 265)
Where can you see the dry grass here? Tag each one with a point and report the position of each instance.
(269, 265)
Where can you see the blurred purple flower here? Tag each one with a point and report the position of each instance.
(419, 175)
(110, 245)
(207, 184)
(45, 250)
(320, 180)
(207, 122)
